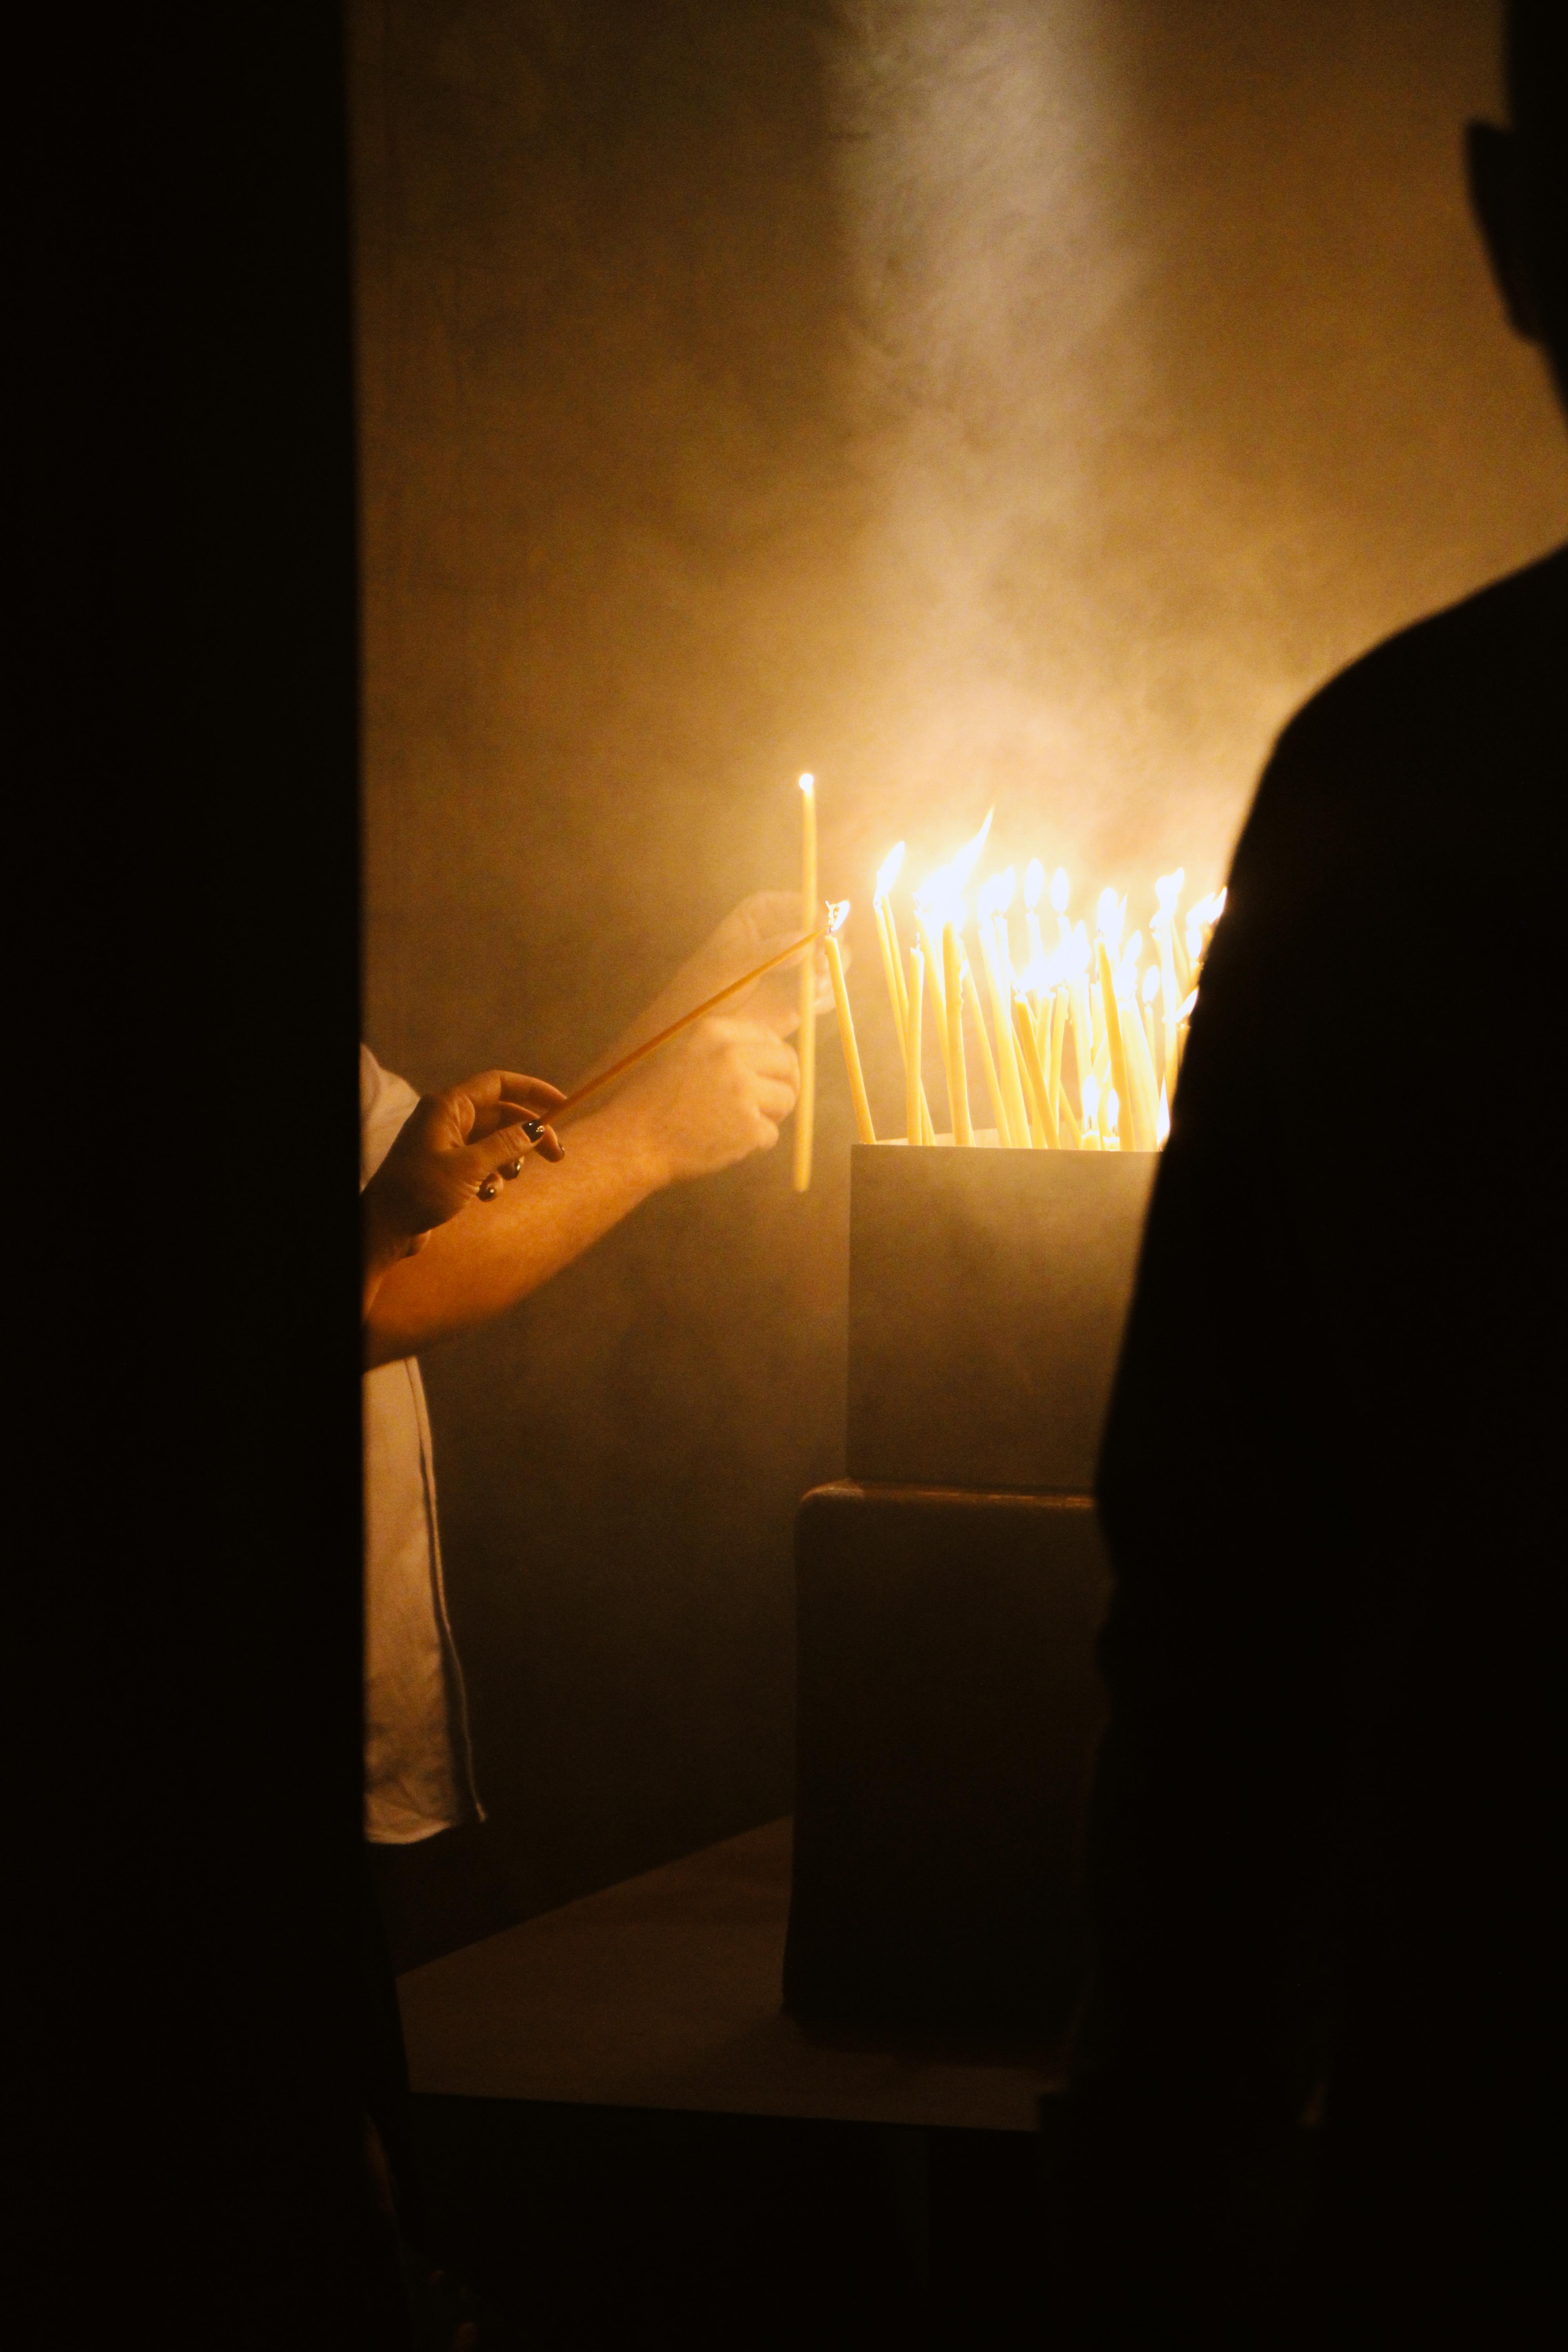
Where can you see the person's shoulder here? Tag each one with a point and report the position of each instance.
(1479, 680)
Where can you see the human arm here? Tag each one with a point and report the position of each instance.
(449, 1151)
(707, 1100)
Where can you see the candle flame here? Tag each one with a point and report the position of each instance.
(1151, 983)
(808, 785)
(964, 864)
(1203, 916)
(994, 898)
(1163, 1120)
(1109, 919)
(1168, 890)
(1185, 1010)
(1124, 969)
(888, 872)
(1059, 890)
(838, 916)
(1034, 883)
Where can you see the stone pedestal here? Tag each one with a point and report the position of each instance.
(949, 1595)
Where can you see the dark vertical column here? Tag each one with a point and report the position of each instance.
(188, 1020)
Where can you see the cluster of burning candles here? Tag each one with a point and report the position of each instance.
(1084, 1040)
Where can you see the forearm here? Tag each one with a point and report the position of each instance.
(498, 1251)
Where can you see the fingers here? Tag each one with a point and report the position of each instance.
(498, 1157)
(775, 1101)
(500, 1097)
(763, 1049)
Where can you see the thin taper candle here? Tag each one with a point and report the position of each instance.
(1110, 1013)
(863, 1127)
(957, 1079)
(992, 1086)
(1058, 1032)
(806, 1109)
(915, 1124)
(1029, 1051)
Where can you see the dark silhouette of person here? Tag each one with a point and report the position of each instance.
(1313, 2093)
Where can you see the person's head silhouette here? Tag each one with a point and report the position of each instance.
(1518, 181)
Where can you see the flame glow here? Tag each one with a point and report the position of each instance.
(808, 783)
(1152, 984)
(940, 897)
(994, 898)
(1162, 1119)
(1168, 890)
(1109, 919)
(838, 915)
(964, 864)
(1185, 1010)
(888, 872)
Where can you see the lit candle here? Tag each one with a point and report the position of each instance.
(1141, 1097)
(1034, 883)
(1168, 889)
(1184, 1020)
(998, 1108)
(1082, 1016)
(1108, 1011)
(888, 873)
(1029, 1048)
(1140, 1100)
(889, 973)
(914, 1123)
(993, 901)
(863, 1127)
(1059, 1035)
(928, 922)
(1151, 990)
(938, 901)
(1059, 888)
(957, 1082)
(806, 1109)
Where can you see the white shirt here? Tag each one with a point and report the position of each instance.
(419, 1770)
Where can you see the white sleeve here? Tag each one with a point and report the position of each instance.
(385, 1102)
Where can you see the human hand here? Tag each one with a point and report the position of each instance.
(709, 1099)
(451, 1149)
(760, 927)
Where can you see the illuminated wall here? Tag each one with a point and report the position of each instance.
(1015, 404)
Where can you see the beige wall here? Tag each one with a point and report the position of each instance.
(1013, 402)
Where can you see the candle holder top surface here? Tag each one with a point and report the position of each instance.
(987, 1295)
